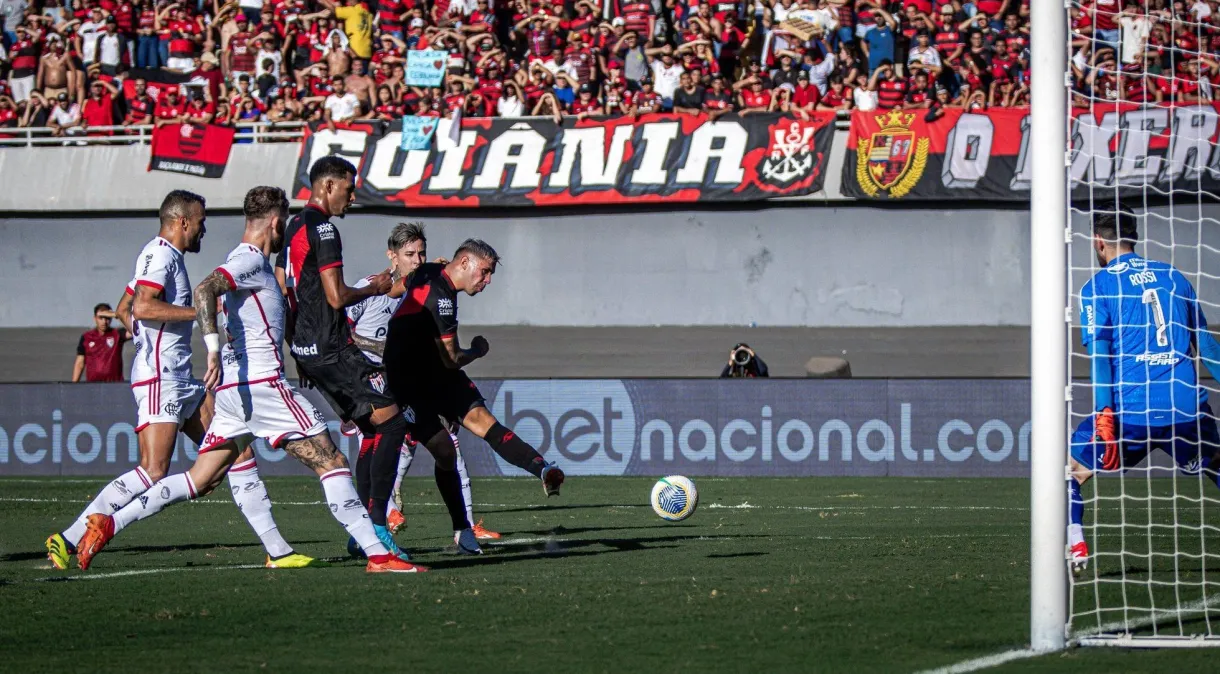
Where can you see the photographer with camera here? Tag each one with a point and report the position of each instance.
(743, 362)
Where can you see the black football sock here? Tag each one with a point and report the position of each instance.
(387, 443)
(363, 474)
(514, 450)
(448, 480)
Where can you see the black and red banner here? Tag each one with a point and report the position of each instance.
(523, 162)
(1122, 149)
(194, 149)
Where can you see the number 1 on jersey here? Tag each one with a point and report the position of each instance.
(1158, 316)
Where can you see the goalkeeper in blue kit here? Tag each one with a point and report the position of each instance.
(1143, 328)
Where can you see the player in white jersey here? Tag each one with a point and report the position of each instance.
(168, 397)
(253, 397)
(406, 249)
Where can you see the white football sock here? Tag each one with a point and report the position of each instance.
(250, 495)
(1075, 534)
(345, 505)
(121, 491)
(465, 478)
(173, 489)
(404, 463)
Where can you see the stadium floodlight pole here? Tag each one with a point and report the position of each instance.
(1049, 353)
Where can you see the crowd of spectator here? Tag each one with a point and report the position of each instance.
(64, 63)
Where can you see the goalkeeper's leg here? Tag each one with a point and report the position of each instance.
(1087, 453)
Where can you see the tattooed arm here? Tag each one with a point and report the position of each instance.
(206, 293)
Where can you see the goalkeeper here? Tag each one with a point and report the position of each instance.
(1143, 327)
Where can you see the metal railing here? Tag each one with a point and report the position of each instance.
(141, 134)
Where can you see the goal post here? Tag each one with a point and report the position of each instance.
(1049, 345)
(1135, 135)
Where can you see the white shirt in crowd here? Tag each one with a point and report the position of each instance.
(342, 107)
(64, 117)
(665, 80)
(88, 32)
(276, 59)
(567, 67)
(111, 47)
(864, 99)
(819, 74)
(928, 57)
(510, 106)
(1134, 32)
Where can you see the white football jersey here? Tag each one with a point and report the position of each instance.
(253, 317)
(370, 317)
(163, 350)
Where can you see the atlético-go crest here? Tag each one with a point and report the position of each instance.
(891, 159)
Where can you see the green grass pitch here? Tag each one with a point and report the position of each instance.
(770, 575)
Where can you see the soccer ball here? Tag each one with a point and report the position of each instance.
(674, 498)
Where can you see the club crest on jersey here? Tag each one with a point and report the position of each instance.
(172, 408)
(377, 381)
(892, 158)
(110, 341)
(444, 306)
(409, 415)
(326, 231)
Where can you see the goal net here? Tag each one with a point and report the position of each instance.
(1142, 133)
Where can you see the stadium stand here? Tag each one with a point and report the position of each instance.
(87, 67)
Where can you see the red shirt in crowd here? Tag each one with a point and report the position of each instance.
(103, 352)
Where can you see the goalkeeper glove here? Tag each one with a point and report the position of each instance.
(1104, 432)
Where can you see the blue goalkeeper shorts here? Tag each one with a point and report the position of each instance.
(1192, 444)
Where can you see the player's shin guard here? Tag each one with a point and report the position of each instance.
(514, 450)
(386, 450)
(346, 506)
(250, 495)
(121, 491)
(173, 489)
(1075, 512)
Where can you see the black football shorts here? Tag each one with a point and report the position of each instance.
(352, 384)
(441, 401)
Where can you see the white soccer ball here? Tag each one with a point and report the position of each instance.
(674, 498)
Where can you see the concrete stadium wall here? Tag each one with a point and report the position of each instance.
(824, 267)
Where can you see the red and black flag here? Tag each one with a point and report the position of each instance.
(895, 154)
(194, 149)
(158, 82)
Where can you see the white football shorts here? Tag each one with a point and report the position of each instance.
(265, 408)
(166, 401)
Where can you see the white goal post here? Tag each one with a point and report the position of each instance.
(1152, 528)
(1049, 346)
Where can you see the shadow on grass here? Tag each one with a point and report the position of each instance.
(737, 554)
(506, 551)
(1141, 572)
(22, 556)
(187, 547)
(546, 506)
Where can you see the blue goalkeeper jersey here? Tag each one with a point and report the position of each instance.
(1149, 313)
